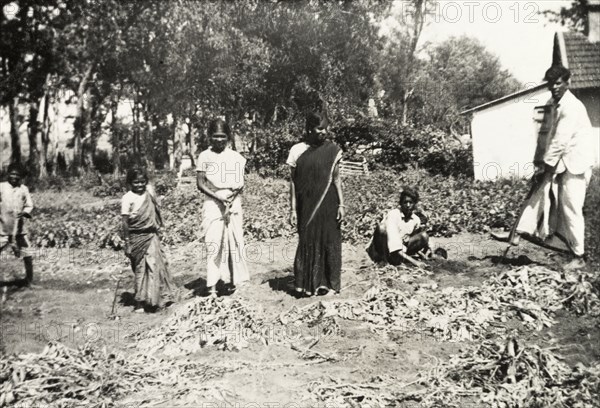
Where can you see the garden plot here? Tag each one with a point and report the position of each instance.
(494, 367)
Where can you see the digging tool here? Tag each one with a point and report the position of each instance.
(545, 134)
(513, 231)
(112, 311)
(537, 182)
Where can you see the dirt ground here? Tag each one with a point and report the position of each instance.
(76, 291)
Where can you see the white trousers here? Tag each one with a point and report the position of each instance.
(571, 197)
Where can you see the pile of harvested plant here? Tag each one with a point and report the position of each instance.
(92, 376)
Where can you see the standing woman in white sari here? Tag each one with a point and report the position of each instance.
(220, 176)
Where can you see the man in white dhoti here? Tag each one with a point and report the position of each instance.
(556, 207)
(220, 173)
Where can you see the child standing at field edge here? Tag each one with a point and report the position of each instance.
(16, 205)
(141, 224)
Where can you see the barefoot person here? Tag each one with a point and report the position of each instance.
(319, 206)
(141, 223)
(16, 205)
(220, 176)
(564, 173)
(399, 236)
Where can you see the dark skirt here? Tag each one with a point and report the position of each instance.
(318, 262)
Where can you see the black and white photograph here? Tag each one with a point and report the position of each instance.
(300, 203)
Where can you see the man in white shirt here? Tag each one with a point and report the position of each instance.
(15, 206)
(399, 236)
(569, 157)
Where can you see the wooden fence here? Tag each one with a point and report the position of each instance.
(348, 168)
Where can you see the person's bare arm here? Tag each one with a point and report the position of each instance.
(125, 227)
(337, 182)
(203, 185)
(410, 259)
(28, 206)
(292, 216)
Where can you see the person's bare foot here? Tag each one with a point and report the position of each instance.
(441, 253)
(138, 307)
(427, 253)
(322, 291)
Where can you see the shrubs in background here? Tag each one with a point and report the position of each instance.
(390, 145)
(272, 148)
(452, 204)
(385, 144)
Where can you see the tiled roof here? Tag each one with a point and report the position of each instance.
(583, 58)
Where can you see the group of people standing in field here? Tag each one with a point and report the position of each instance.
(317, 206)
(317, 209)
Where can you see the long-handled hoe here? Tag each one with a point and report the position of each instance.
(114, 303)
(535, 184)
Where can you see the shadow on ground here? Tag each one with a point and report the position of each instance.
(283, 281)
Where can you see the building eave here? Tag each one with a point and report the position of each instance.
(498, 101)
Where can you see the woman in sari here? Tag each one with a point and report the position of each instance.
(141, 223)
(318, 203)
(220, 176)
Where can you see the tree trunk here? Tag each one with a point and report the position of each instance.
(147, 141)
(87, 148)
(171, 144)
(78, 123)
(53, 138)
(159, 138)
(34, 155)
(193, 145)
(94, 126)
(15, 142)
(177, 146)
(115, 139)
(45, 138)
(136, 127)
(149, 149)
(405, 108)
(405, 98)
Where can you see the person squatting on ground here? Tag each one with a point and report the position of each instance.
(564, 173)
(16, 205)
(220, 176)
(317, 207)
(399, 236)
(141, 224)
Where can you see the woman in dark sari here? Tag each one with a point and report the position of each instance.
(141, 223)
(318, 203)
